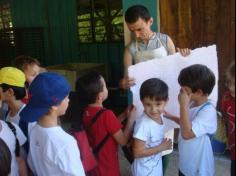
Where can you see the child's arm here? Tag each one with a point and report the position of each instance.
(123, 116)
(184, 122)
(171, 117)
(122, 137)
(23, 170)
(140, 150)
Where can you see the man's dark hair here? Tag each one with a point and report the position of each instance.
(135, 12)
(88, 87)
(198, 77)
(154, 89)
(19, 92)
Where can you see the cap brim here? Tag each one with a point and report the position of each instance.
(32, 114)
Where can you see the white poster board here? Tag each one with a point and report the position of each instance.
(168, 69)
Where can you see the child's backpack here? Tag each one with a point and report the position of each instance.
(88, 156)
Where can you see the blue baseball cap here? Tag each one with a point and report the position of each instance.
(47, 90)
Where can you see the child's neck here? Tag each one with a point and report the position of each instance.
(156, 119)
(96, 104)
(48, 121)
(200, 101)
(14, 107)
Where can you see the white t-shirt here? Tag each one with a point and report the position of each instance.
(196, 155)
(8, 137)
(153, 134)
(53, 152)
(3, 110)
(16, 118)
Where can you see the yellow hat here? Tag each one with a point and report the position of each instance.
(12, 76)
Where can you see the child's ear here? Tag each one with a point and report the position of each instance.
(167, 100)
(100, 97)
(200, 92)
(10, 92)
(54, 108)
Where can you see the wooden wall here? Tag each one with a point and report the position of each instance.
(197, 23)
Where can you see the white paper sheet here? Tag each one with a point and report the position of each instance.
(168, 69)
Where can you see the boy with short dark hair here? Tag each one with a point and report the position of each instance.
(148, 135)
(29, 65)
(92, 92)
(52, 150)
(198, 120)
(31, 68)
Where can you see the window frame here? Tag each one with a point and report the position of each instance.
(111, 31)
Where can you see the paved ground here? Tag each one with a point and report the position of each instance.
(222, 165)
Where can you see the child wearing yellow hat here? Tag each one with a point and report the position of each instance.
(12, 90)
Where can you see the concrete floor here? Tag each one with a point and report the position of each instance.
(222, 165)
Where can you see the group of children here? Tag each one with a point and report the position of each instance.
(52, 151)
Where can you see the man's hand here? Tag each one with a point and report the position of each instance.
(184, 51)
(126, 83)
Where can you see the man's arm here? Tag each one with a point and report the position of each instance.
(127, 61)
(170, 46)
(126, 82)
(171, 49)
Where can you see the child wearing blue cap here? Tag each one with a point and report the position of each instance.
(52, 151)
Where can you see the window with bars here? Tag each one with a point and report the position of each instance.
(100, 21)
(6, 27)
(5, 16)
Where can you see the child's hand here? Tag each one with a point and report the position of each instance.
(131, 112)
(123, 116)
(166, 145)
(127, 114)
(184, 97)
